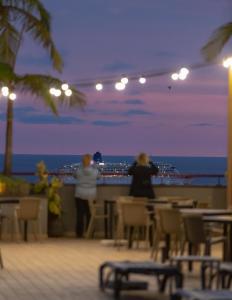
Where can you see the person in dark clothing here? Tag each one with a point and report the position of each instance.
(142, 171)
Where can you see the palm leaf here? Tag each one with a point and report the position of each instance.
(6, 73)
(38, 29)
(39, 85)
(216, 42)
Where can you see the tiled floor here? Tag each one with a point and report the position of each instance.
(62, 269)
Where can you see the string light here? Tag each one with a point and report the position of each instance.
(64, 86)
(68, 93)
(124, 80)
(5, 91)
(99, 86)
(142, 80)
(182, 75)
(119, 86)
(227, 62)
(12, 96)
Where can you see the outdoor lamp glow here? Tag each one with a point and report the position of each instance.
(99, 86)
(68, 93)
(184, 71)
(119, 86)
(12, 96)
(175, 76)
(182, 76)
(142, 80)
(57, 93)
(52, 91)
(227, 62)
(5, 91)
(64, 86)
(124, 80)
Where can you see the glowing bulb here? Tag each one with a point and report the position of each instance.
(52, 91)
(227, 62)
(175, 76)
(68, 93)
(124, 80)
(142, 80)
(184, 71)
(57, 93)
(5, 91)
(119, 86)
(12, 96)
(99, 86)
(64, 86)
(182, 76)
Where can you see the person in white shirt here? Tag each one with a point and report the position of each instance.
(86, 190)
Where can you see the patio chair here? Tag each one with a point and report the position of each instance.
(133, 214)
(196, 234)
(95, 215)
(28, 211)
(172, 228)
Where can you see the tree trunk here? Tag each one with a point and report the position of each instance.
(9, 139)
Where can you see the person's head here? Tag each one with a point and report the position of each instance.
(86, 160)
(143, 159)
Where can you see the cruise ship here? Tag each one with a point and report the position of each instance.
(117, 172)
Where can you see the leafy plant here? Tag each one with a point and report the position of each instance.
(54, 199)
(14, 186)
(51, 189)
(42, 173)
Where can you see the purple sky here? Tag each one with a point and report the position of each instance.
(106, 37)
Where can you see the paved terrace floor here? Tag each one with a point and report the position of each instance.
(64, 269)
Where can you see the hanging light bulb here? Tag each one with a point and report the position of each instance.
(12, 96)
(142, 80)
(64, 86)
(99, 86)
(57, 93)
(184, 71)
(227, 62)
(68, 93)
(175, 76)
(52, 91)
(119, 86)
(124, 80)
(5, 91)
(182, 76)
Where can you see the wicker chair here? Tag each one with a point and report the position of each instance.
(28, 210)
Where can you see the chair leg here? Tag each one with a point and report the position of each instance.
(90, 228)
(1, 260)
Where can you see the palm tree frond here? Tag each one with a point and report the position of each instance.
(216, 42)
(39, 86)
(9, 41)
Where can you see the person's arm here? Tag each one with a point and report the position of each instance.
(154, 168)
(132, 168)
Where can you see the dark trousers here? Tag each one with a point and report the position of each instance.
(83, 216)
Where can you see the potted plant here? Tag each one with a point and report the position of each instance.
(13, 186)
(51, 190)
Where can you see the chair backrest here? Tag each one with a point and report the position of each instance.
(194, 229)
(190, 203)
(133, 214)
(170, 221)
(29, 208)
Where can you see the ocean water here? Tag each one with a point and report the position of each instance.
(185, 165)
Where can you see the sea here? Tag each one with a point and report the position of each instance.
(184, 165)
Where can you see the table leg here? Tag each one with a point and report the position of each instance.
(106, 219)
(25, 230)
(226, 244)
(166, 250)
(111, 216)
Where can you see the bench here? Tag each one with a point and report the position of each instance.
(115, 275)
